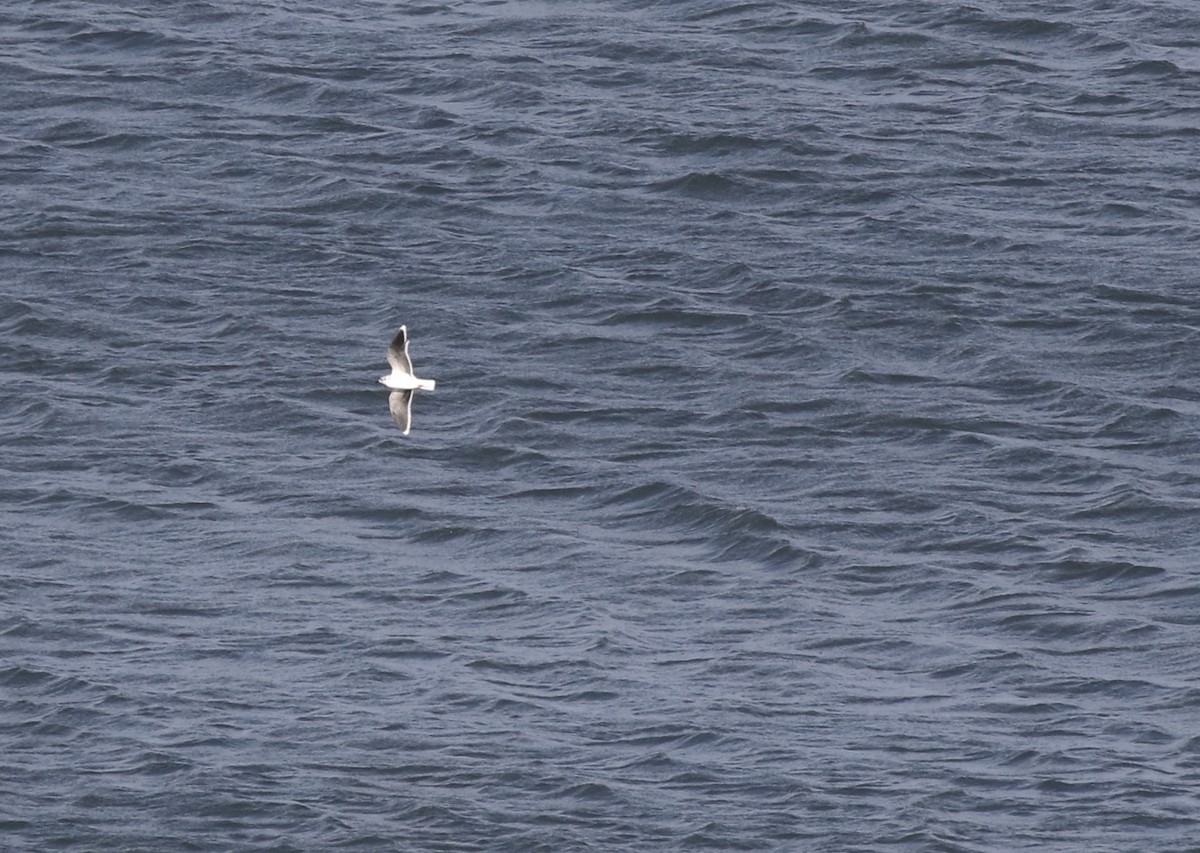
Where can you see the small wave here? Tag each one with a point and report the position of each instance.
(860, 35)
(34, 682)
(1128, 502)
(857, 376)
(1149, 68)
(122, 40)
(702, 185)
(727, 533)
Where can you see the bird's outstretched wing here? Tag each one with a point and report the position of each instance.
(400, 404)
(397, 353)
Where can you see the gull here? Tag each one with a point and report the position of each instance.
(401, 381)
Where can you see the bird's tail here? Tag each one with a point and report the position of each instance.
(426, 384)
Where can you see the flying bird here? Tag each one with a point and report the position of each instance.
(401, 381)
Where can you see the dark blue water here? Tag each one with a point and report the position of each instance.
(814, 461)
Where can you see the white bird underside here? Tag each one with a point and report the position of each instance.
(402, 381)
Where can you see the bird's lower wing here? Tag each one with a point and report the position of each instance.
(400, 404)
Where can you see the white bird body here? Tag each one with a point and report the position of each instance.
(402, 381)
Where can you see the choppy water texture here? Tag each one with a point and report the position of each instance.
(813, 463)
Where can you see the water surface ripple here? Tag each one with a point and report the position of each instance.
(813, 463)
